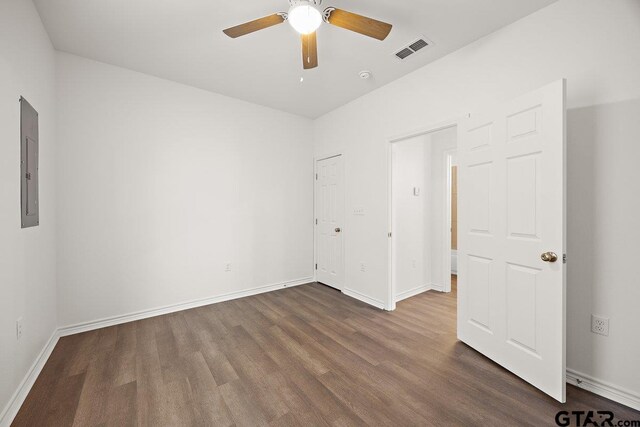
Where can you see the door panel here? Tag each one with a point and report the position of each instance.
(480, 182)
(330, 221)
(523, 196)
(511, 210)
(480, 292)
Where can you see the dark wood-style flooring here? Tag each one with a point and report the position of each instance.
(301, 356)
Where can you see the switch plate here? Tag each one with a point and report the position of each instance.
(19, 329)
(227, 267)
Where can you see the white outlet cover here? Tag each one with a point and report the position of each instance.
(599, 325)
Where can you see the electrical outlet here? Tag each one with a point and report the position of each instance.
(19, 328)
(599, 325)
(358, 210)
(363, 267)
(227, 267)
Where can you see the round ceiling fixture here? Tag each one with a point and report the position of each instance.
(304, 17)
(365, 75)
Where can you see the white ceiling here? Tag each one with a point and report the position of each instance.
(182, 40)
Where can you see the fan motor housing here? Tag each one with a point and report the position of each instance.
(309, 2)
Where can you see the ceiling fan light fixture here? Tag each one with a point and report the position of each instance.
(304, 17)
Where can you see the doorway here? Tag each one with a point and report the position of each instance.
(511, 288)
(421, 223)
(329, 221)
(453, 210)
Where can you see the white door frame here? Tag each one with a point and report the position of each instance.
(391, 287)
(448, 155)
(317, 159)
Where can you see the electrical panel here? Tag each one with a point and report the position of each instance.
(29, 164)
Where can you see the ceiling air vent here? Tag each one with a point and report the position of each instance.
(412, 48)
(416, 46)
(404, 53)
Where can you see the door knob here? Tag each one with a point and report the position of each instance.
(549, 257)
(338, 230)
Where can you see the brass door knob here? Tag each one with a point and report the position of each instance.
(549, 257)
(338, 230)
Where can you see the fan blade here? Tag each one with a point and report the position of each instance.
(252, 26)
(309, 51)
(358, 23)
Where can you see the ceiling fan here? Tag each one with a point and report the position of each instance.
(305, 17)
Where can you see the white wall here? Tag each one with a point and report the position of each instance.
(443, 143)
(412, 266)
(27, 259)
(420, 223)
(160, 185)
(595, 44)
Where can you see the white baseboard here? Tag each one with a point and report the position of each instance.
(604, 389)
(364, 298)
(13, 406)
(437, 287)
(413, 292)
(116, 320)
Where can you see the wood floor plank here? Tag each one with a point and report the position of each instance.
(150, 385)
(61, 412)
(306, 356)
(206, 397)
(98, 379)
(122, 405)
(241, 404)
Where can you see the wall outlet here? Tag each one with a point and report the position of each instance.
(227, 267)
(19, 328)
(599, 325)
(363, 267)
(358, 210)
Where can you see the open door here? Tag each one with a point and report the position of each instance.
(511, 282)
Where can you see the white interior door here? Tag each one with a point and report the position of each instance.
(330, 221)
(511, 291)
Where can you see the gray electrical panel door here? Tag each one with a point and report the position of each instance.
(29, 164)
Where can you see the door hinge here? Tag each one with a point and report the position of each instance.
(316, 177)
(316, 221)
(389, 234)
(564, 258)
(316, 266)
